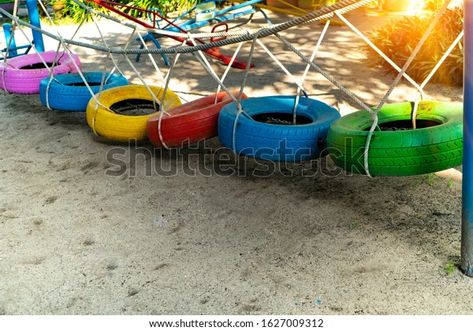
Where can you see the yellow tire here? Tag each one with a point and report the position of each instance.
(113, 126)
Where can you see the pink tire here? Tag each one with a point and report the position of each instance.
(23, 74)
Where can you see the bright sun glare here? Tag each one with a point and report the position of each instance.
(415, 7)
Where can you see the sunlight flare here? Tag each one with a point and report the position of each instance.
(415, 7)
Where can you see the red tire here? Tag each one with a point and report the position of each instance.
(189, 123)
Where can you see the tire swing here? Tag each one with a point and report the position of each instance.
(68, 92)
(188, 123)
(402, 139)
(23, 74)
(117, 114)
(266, 129)
(396, 149)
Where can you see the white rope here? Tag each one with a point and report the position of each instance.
(242, 88)
(211, 71)
(379, 51)
(443, 59)
(227, 70)
(51, 77)
(416, 50)
(158, 71)
(432, 74)
(325, 74)
(69, 54)
(307, 68)
(37, 53)
(116, 67)
(140, 77)
(206, 65)
(163, 98)
(396, 81)
(279, 63)
(15, 22)
(167, 81)
(106, 45)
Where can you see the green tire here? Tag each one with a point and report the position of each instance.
(400, 153)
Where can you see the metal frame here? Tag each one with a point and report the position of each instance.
(9, 32)
(33, 14)
(467, 212)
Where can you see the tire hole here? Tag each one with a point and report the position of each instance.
(82, 84)
(281, 119)
(39, 65)
(405, 125)
(134, 107)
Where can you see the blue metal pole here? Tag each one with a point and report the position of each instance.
(35, 20)
(7, 31)
(467, 215)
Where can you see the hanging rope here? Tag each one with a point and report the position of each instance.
(378, 51)
(227, 70)
(307, 68)
(375, 119)
(449, 51)
(242, 88)
(51, 76)
(163, 98)
(68, 52)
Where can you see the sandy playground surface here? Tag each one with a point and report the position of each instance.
(76, 240)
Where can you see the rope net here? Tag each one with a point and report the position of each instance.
(199, 44)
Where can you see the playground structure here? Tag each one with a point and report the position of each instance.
(204, 15)
(292, 7)
(238, 118)
(8, 32)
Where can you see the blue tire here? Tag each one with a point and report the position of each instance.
(276, 142)
(67, 92)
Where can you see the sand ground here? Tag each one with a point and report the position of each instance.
(76, 240)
